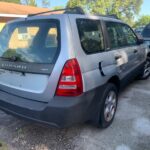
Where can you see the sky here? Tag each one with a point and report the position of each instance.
(145, 9)
(54, 3)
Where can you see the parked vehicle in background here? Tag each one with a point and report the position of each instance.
(146, 35)
(139, 30)
(63, 69)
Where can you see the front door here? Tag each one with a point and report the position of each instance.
(125, 55)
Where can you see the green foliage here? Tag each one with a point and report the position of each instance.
(124, 9)
(29, 2)
(11, 1)
(45, 3)
(142, 21)
(57, 7)
(74, 3)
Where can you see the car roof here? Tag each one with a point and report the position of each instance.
(75, 12)
(61, 16)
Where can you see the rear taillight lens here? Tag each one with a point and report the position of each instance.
(70, 82)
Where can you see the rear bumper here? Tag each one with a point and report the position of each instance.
(59, 112)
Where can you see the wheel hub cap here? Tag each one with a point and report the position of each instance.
(147, 69)
(110, 106)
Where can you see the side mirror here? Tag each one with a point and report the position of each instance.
(140, 41)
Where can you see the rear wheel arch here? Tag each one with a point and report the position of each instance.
(116, 81)
(148, 54)
(110, 87)
(145, 73)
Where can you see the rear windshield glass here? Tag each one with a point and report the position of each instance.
(146, 31)
(30, 41)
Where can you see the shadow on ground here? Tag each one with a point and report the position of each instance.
(130, 130)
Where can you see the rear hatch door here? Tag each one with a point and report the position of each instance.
(28, 52)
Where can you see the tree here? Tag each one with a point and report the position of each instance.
(57, 7)
(29, 2)
(45, 3)
(74, 3)
(11, 1)
(142, 21)
(124, 9)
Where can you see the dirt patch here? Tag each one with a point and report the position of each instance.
(3, 146)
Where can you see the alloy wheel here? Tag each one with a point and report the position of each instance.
(110, 106)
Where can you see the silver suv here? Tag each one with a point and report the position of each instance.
(62, 69)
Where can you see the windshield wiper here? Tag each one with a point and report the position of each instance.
(13, 58)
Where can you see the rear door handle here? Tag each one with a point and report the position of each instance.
(100, 68)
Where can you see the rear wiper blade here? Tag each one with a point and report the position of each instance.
(4, 58)
(13, 58)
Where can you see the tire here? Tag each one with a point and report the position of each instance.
(108, 106)
(146, 70)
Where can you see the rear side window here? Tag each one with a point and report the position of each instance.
(35, 41)
(146, 31)
(129, 34)
(120, 35)
(91, 36)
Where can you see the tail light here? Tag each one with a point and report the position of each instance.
(70, 82)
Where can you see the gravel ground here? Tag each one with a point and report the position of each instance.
(129, 131)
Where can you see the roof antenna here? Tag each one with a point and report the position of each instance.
(74, 10)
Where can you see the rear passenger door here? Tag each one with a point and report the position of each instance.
(89, 44)
(124, 53)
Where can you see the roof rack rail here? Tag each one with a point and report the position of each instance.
(111, 16)
(74, 10)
